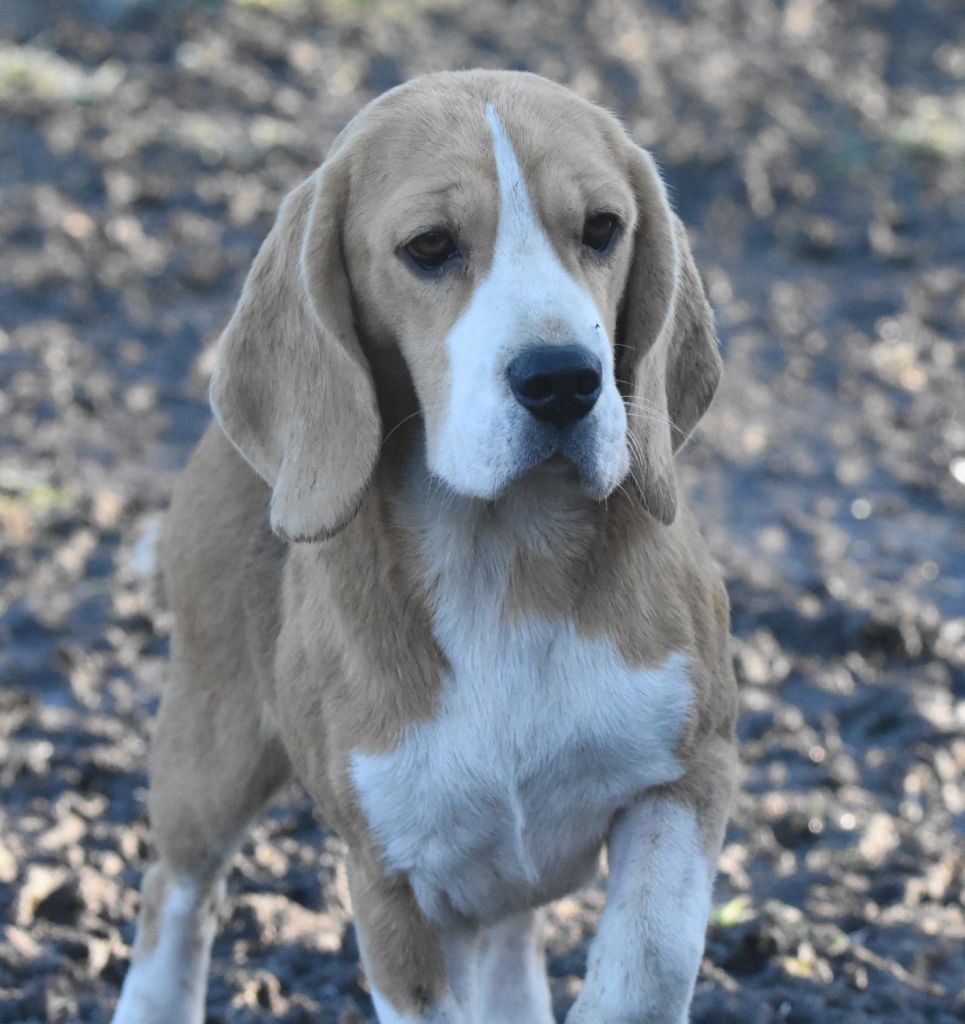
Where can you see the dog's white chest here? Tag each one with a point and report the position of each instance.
(503, 798)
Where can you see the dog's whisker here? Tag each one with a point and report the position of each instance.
(643, 405)
(623, 491)
(655, 416)
(401, 423)
(651, 412)
(636, 449)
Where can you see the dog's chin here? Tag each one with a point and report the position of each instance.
(573, 460)
(577, 470)
(595, 470)
(596, 485)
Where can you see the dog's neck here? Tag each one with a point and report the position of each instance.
(530, 547)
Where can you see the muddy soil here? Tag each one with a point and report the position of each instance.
(816, 150)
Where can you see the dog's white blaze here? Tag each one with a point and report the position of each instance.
(168, 983)
(647, 952)
(502, 800)
(487, 438)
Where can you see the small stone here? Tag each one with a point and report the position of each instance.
(67, 832)
(879, 839)
(41, 882)
(8, 864)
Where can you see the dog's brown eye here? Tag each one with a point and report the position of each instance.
(432, 249)
(599, 230)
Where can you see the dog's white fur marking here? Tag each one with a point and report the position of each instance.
(502, 800)
(168, 983)
(511, 983)
(645, 958)
(487, 438)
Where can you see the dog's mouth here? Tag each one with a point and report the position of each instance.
(572, 454)
(591, 455)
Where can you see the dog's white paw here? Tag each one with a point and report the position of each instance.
(143, 1001)
(589, 1014)
(627, 1004)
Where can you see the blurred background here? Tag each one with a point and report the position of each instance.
(816, 150)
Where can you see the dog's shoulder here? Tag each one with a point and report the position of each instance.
(656, 589)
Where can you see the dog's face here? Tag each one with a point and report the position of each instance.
(518, 251)
(497, 264)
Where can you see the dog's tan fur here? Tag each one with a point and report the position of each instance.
(293, 656)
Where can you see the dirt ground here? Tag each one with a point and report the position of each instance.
(817, 152)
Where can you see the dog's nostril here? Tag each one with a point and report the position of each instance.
(558, 384)
(538, 387)
(587, 382)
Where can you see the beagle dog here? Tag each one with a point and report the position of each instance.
(431, 559)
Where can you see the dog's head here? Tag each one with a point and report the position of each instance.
(518, 251)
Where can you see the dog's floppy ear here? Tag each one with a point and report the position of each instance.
(292, 388)
(668, 358)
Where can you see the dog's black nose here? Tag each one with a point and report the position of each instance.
(557, 384)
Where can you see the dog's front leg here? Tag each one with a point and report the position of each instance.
(417, 972)
(662, 853)
(512, 987)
